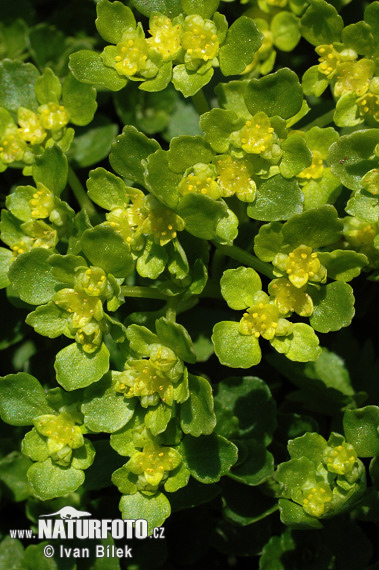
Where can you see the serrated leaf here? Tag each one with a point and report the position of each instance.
(343, 265)
(190, 82)
(161, 180)
(316, 227)
(186, 151)
(201, 214)
(78, 369)
(243, 40)
(47, 320)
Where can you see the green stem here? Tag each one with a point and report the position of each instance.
(81, 196)
(142, 292)
(247, 259)
(171, 308)
(321, 121)
(200, 102)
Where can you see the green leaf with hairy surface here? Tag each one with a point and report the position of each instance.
(107, 249)
(201, 214)
(113, 19)
(279, 94)
(243, 40)
(361, 430)
(88, 67)
(51, 169)
(302, 345)
(239, 286)
(217, 125)
(178, 479)
(130, 148)
(227, 228)
(34, 446)
(296, 156)
(48, 88)
(79, 100)
(161, 180)
(347, 111)
(321, 23)
(157, 418)
(245, 409)
(364, 206)
(107, 190)
(32, 278)
(64, 267)
(233, 348)
(140, 339)
(17, 80)
(22, 399)
(323, 191)
(176, 337)
(231, 96)
(190, 82)
(352, 156)
(343, 265)
(83, 457)
(208, 457)
(185, 151)
(197, 416)
(104, 409)
(155, 509)
(277, 199)
(49, 480)
(48, 320)
(78, 369)
(315, 228)
(333, 307)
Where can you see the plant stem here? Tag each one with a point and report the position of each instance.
(81, 196)
(321, 121)
(200, 102)
(142, 292)
(246, 258)
(171, 307)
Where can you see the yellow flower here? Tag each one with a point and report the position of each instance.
(263, 319)
(316, 498)
(31, 129)
(93, 281)
(53, 117)
(316, 169)
(42, 203)
(201, 180)
(89, 336)
(329, 59)
(12, 148)
(340, 459)
(132, 54)
(289, 298)
(144, 380)
(301, 265)
(368, 105)
(163, 224)
(165, 37)
(353, 77)
(62, 436)
(234, 178)
(256, 136)
(82, 307)
(154, 464)
(199, 40)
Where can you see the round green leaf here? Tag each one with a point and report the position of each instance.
(209, 457)
(79, 100)
(88, 67)
(242, 42)
(285, 29)
(113, 19)
(22, 399)
(49, 480)
(361, 430)
(170, 8)
(107, 249)
(321, 23)
(238, 287)
(17, 82)
(302, 345)
(32, 278)
(233, 348)
(343, 265)
(161, 180)
(296, 156)
(51, 169)
(78, 369)
(190, 82)
(155, 509)
(196, 413)
(277, 199)
(316, 227)
(186, 151)
(333, 307)
(106, 189)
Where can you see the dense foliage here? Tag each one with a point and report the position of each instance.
(190, 230)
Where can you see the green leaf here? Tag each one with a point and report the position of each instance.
(343, 265)
(113, 19)
(64, 267)
(364, 206)
(49, 480)
(152, 261)
(242, 506)
(333, 307)
(107, 190)
(51, 169)
(31, 277)
(347, 112)
(78, 369)
(233, 348)
(268, 241)
(48, 320)
(310, 445)
(201, 214)
(140, 339)
(361, 430)
(190, 82)
(321, 23)
(155, 509)
(209, 457)
(302, 345)
(84, 456)
(285, 29)
(296, 156)
(196, 413)
(314, 82)
(157, 418)
(257, 466)
(358, 36)
(93, 144)
(293, 516)
(217, 125)
(130, 148)
(170, 8)
(239, 286)
(160, 81)
(88, 67)
(17, 80)
(205, 8)
(245, 410)
(161, 180)
(277, 199)
(242, 42)
(107, 249)
(22, 399)
(371, 17)
(48, 88)
(104, 409)
(177, 338)
(322, 191)
(11, 553)
(352, 156)
(79, 100)
(6, 257)
(316, 227)
(185, 151)
(34, 446)
(279, 94)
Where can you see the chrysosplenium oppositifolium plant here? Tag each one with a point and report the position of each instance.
(190, 195)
